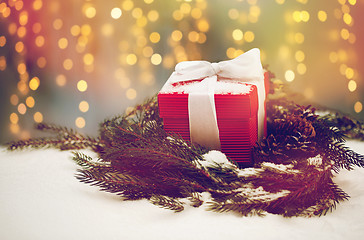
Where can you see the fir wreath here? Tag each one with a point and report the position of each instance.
(292, 173)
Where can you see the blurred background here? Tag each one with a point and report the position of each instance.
(78, 62)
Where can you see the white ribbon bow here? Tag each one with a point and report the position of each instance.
(201, 103)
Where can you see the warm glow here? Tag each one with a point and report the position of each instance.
(352, 85)
(322, 16)
(19, 47)
(83, 106)
(39, 41)
(2, 63)
(61, 80)
(358, 107)
(90, 12)
(249, 36)
(301, 68)
(82, 85)
(75, 30)
(131, 59)
(22, 109)
(67, 64)
(14, 118)
(176, 35)
(62, 43)
(349, 73)
(41, 62)
(237, 35)
(154, 37)
(300, 56)
(14, 99)
(156, 59)
(289, 75)
(37, 4)
(2, 41)
(88, 59)
(30, 102)
(34, 83)
(116, 13)
(57, 24)
(38, 117)
(131, 94)
(203, 25)
(80, 122)
(23, 18)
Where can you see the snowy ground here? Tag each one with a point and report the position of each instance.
(41, 199)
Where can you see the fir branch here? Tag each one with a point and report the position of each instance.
(167, 203)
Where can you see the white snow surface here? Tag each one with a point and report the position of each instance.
(41, 199)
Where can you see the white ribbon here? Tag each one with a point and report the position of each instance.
(201, 103)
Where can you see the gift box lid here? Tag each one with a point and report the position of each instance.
(232, 100)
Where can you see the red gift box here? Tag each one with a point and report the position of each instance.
(236, 117)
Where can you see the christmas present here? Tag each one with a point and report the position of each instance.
(217, 105)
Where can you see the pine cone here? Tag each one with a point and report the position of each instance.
(284, 149)
(293, 125)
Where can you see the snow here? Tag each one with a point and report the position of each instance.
(222, 87)
(41, 199)
(214, 157)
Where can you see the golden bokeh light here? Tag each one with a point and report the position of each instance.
(80, 122)
(61, 80)
(14, 128)
(176, 35)
(289, 76)
(88, 59)
(38, 117)
(89, 11)
(349, 73)
(23, 18)
(22, 109)
(41, 62)
(68, 64)
(301, 68)
(62, 43)
(37, 27)
(116, 13)
(237, 34)
(30, 102)
(107, 29)
(131, 59)
(127, 5)
(75, 30)
(37, 5)
(14, 118)
(83, 106)
(82, 85)
(154, 37)
(352, 85)
(203, 25)
(249, 36)
(156, 59)
(322, 15)
(2, 63)
(57, 24)
(39, 41)
(2, 41)
(358, 107)
(34, 83)
(14, 99)
(299, 56)
(21, 32)
(131, 93)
